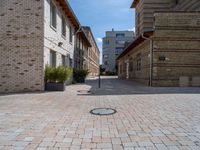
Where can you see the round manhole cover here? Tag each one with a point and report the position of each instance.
(103, 111)
(84, 91)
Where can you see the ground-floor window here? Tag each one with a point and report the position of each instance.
(64, 60)
(52, 58)
(131, 64)
(139, 61)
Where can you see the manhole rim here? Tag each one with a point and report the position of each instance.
(84, 91)
(114, 111)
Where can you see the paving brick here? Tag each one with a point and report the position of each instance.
(62, 120)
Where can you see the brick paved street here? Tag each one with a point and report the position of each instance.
(146, 118)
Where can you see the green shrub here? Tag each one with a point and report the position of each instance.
(57, 74)
(80, 75)
(49, 74)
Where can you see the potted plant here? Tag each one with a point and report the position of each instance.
(55, 77)
(80, 75)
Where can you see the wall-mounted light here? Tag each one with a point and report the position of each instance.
(162, 58)
(60, 44)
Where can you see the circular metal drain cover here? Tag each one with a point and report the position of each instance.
(103, 111)
(84, 91)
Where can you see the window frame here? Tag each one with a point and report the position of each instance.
(120, 35)
(53, 59)
(64, 60)
(139, 64)
(63, 26)
(70, 35)
(53, 15)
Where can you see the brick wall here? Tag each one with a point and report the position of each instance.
(177, 38)
(176, 52)
(145, 13)
(140, 52)
(93, 54)
(188, 5)
(21, 46)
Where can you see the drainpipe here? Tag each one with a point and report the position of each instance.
(151, 59)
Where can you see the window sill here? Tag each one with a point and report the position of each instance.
(53, 28)
(63, 36)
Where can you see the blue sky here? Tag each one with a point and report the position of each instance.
(103, 15)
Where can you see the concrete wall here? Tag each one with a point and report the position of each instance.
(52, 37)
(21, 46)
(176, 37)
(109, 50)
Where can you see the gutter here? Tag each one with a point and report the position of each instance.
(151, 59)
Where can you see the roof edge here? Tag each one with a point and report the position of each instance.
(135, 43)
(88, 27)
(69, 13)
(134, 3)
(84, 36)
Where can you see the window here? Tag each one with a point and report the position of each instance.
(131, 64)
(106, 62)
(119, 35)
(63, 60)
(106, 42)
(70, 62)
(63, 26)
(120, 68)
(53, 19)
(118, 50)
(120, 42)
(105, 56)
(52, 58)
(139, 64)
(70, 34)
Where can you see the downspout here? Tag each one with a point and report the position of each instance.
(151, 59)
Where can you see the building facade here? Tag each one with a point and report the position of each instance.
(166, 51)
(34, 34)
(81, 49)
(113, 44)
(92, 55)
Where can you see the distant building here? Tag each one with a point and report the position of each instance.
(91, 57)
(166, 51)
(81, 48)
(113, 44)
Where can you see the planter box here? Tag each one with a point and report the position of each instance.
(54, 86)
(80, 80)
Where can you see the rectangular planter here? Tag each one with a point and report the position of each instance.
(54, 86)
(81, 80)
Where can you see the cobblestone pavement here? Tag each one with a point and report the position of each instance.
(146, 119)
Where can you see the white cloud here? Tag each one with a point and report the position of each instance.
(99, 40)
(133, 29)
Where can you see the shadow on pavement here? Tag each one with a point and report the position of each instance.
(115, 86)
